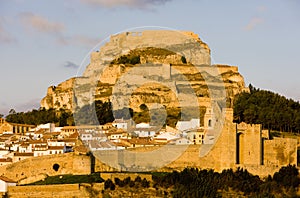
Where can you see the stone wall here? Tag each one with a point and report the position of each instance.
(35, 168)
(59, 191)
(280, 151)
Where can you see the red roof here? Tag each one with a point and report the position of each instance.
(56, 147)
(23, 154)
(3, 178)
(5, 159)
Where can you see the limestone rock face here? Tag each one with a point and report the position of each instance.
(155, 66)
(60, 96)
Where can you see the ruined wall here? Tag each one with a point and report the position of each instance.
(280, 151)
(221, 156)
(59, 191)
(35, 168)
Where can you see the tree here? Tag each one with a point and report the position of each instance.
(12, 111)
(183, 59)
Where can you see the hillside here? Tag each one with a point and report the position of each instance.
(156, 67)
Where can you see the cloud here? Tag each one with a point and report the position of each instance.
(29, 105)
(40, 23)
(253, 23)
(125, 3)
(69, 64)
(80, 40)
(22, 107)
(261, 8)
(5, 36)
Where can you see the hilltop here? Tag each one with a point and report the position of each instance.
(149, 67)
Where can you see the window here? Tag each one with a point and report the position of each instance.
(209, 123)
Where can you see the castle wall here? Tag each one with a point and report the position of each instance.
(59, 191)
(280, 151)
(250, 144)
(32, 169)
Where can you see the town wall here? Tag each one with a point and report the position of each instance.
(59, 191)
(280, 151)
(249, 144)
(35, 168)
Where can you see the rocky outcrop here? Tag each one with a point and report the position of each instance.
(149, 67)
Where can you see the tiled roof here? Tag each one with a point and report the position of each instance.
(8, 180)
(17, 154)
(56, 147)
(5, 159)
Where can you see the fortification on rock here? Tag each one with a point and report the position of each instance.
(161, 53)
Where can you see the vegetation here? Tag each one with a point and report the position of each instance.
(35, 117)
(273, 111)
(127, 59)
(70, 179)
(138, 182)
(183, 60)
(95, 113)
(193, 182)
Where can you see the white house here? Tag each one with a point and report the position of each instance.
(145, 132)
(56, 149)
(5, 182)
(85, 136)
(187, 125)
(166, 135)
(3, 152)
(181, 141)
(122, 124)
(142, 125)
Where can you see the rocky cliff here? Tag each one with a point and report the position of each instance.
(149, 67)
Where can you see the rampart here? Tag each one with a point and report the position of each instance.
(36, 168)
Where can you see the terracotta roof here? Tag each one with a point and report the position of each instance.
(6, 136)
(74, 135)
(56, 147)
(8, 180)
(68, 140)
(23, 154)
(40, 131)
(140, 141)
(38, 142)
(6, 159)
(40, 146)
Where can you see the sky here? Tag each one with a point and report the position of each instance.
(43, 43)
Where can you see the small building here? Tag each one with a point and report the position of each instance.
(5, 161)
(145, 132)
(181, 141)
(122, 124)
(56, 149)
(196, 136)
(86, 136)
(188, 125)
(13, 127)
(6, 182)
(3, 152)
(21, 156)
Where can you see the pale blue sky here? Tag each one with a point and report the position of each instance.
(42, 42)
